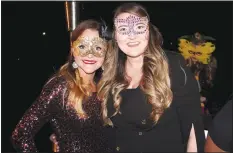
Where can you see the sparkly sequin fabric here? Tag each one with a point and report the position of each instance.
(73, 134)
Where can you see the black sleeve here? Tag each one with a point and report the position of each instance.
(220, 130)
(187, 99)
(41, 111)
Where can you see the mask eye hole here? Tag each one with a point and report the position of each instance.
(97, 48)
(81, 47)
(191, 52)
(198, 53)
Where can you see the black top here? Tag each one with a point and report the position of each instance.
(73, 134)
(134, 131)
(220, 130)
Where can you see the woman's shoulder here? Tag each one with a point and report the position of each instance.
(56, 81)
(178, 69)
(220, 129)
(184, 85)
(174, 57)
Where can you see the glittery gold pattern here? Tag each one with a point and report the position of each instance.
(73, 134)
(95, 46)
(131, 25)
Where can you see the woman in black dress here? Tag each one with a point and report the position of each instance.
(68, 100)
(150, 98)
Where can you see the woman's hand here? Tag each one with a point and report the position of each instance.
(55, 143)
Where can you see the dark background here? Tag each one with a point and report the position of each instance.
(29, 58)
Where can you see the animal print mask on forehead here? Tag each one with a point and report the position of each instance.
(95, 46)
(131, 25)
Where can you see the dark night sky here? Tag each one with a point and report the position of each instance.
(29, 57)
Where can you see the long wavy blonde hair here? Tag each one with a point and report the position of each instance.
(78, 90)
(156, 80)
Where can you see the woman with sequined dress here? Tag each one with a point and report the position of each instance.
(68, 100)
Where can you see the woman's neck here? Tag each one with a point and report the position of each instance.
(133, 67)
(135, 62)
(87, 79)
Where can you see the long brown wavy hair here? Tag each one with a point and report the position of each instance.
(155, 82)
(78, 90)
(208, 70)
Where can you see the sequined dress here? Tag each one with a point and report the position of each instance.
(73, 134)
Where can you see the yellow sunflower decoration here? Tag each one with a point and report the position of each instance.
(197, 47)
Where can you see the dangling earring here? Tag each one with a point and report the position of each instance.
(75, 65)
(102, 68)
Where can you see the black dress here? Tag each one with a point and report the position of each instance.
(133, 131)
(73, 134)
(220, 130)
